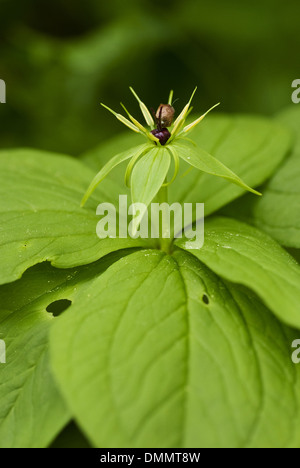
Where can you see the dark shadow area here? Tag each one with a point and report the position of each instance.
(58, 307)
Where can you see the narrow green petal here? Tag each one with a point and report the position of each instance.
(122, 119)
(182, 116)
(119, 158)
(170, 97)
(203, 161)
(152, 137)
(140, 126)
(144, 109)
(135, 122)
(192, 125)
(127, 123)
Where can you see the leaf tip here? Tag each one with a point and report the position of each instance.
(255, 192)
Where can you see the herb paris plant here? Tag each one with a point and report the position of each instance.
(191, 349)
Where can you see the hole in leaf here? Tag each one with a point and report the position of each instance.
(205, 299)
(58, 307)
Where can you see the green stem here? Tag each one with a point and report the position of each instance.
(166, 241)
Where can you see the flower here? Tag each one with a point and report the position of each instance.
(176, 127)
(162, 139)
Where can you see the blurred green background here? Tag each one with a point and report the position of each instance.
(61, 58)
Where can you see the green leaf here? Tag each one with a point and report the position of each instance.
(32, 411)
(278, 212)
(110, 165)
(243, 254)
(40, 214)
(144, 361)
(148, 175)
(202, 160)
(252, 147)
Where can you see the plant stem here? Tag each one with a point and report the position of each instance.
(165, 240)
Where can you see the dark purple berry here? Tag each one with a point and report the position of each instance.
(163, 135)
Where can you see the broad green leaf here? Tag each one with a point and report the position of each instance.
(40, 214)
(32, 411)
(148, 175)
(278, 211)
(110, 165)
(251, 147)
(144, 361)
(243, 254)
(203, 161)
